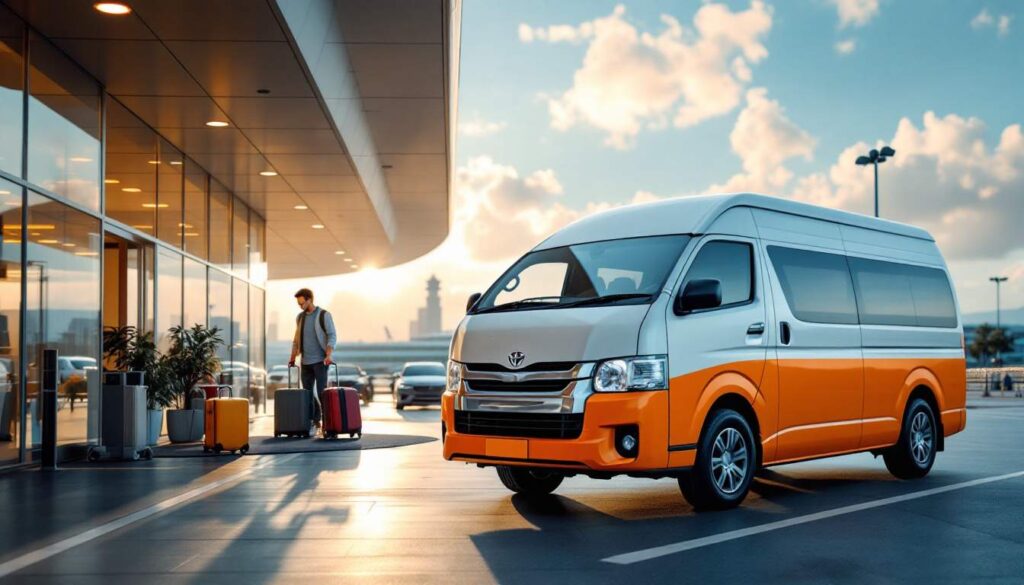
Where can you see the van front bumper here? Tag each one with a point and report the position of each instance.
(594, 448)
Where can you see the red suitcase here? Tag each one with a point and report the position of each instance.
(341, 411)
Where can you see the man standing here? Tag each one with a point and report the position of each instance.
(314, 339)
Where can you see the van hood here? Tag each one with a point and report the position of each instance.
(549, 335)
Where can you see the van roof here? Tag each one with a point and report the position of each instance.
(695, 214)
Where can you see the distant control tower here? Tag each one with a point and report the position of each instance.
(428, 319)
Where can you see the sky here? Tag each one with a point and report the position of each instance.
(568, 107)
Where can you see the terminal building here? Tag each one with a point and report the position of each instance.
(160, 160)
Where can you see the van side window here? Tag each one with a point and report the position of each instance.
(730, 263)
(900, 294)
(817, 286)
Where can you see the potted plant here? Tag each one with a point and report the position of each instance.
(191, 358)
(128, 350)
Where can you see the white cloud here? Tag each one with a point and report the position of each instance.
(985, 19)
(630, 80)
(944, 177)
(764, 139)
(1004, 24)
(855, 12)
(846, 47)
(475, 128)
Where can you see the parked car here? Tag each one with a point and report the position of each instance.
(351, 376)
(277, 378)
(420, 383)
(73, 365)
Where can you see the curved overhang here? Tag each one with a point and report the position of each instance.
(351, 103)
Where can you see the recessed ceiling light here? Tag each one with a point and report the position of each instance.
(5, 192)
(143, 227)
(268, 173)
(111, 181)
(318, 226)
(153, 162)
(340, 252)
(87, 253)
(155, 205)
(35, 234)
(68, 245)
(12, 202)
(115, 8)
(348, 259)
(354, 266)
(48, 241)
(131, 189)
(175, 162)
(81, 159)
(216, 124)
(301, 207)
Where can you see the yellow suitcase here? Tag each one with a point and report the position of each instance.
(227, 425)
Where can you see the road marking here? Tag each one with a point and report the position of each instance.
(678, 547)
(41, 554)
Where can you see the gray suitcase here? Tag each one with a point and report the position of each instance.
(122, 418)
(292, 416)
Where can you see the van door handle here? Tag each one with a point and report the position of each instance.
(756, 329)
(784, 333)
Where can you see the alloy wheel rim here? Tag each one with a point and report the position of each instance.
(729, 460)
(921, 437)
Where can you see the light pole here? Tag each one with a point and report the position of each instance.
(876, 157)
(998, 280)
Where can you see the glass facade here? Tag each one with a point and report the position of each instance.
(104, 221)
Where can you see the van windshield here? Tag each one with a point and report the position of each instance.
(629, 271)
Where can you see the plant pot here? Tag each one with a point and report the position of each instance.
(184, 425)
(156, 423)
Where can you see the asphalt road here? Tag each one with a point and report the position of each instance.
(406, 516)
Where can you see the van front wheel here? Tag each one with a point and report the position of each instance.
(529, 482)
(725, 466)
(913, 456)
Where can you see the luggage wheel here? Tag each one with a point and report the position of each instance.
(218, 448)
(94, 455)
(147, 454)
(244, 449)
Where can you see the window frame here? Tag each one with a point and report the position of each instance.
(753, 275)
(782, 286)
(851, 261)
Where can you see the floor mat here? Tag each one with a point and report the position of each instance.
(267, 445)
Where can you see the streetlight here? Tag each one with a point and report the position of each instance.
(875, 157)
(998, 280)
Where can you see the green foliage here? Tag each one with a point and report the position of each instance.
(988, 342)
(191, 358)
(128, 350)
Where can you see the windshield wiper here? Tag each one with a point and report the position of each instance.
(608, 299)
(550, 300)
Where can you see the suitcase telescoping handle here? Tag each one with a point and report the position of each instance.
(290, 367)
(231, 391)
(337, 376)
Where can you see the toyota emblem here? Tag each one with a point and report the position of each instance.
(515, 359)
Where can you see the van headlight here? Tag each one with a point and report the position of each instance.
(454, 375)
(638, 373)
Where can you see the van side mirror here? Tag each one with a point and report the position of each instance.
(703, 293)
(473, 298)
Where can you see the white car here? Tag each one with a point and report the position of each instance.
(420, 383)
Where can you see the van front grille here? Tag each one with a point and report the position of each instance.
(530, 386)
(519, 424)
(538, 367)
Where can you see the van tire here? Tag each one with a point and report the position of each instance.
(913, 455)
(727, 431)
(529, 482)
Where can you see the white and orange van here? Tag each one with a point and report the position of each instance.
(702, 338)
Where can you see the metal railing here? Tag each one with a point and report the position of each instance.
(991, 380)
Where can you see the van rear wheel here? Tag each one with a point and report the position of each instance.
(725, 466)
(913, 455)
(529, 482)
